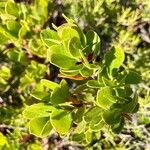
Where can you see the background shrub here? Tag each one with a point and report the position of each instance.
(24, 28)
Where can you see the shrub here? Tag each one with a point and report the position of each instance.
(95, 91)
(102, 96)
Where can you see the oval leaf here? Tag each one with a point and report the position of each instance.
(49, 84)
(60, 94)
(114, 59)
(12, 8)
(37, 110)
(61, 121)
(105, 97)
(63, 61)
(40, 126)
(50, 37)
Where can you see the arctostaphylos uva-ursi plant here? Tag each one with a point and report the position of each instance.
(98, 95)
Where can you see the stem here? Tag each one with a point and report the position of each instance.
(84, 59)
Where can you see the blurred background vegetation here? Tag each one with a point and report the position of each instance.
(23, 63)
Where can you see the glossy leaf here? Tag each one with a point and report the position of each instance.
(60, 94)
(37, 110)
(68, 73)
(13, 27)
(63, 61)
(114, 59)
(112, 116)
(61, 121)
(50, 37)
(78, 115)
(88, 136)
(118, 127)
(23, 31)
(131, 105)
(94, 84)
(49, 84)
(105, 97)
(86, 72)
(75, 47)
(94, 118)
(80, 127)
(40, 95)
(78, 137)
(68, 32)
(123, 92)
(97, 124)
(107, 82)
(94, 112)
(93, 42)
(40, 126)
(3, 38)
(12, 8)
(56, 49)
(132, 78)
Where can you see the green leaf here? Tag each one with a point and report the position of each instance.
(132, 78)
(7, 35)
(78, 137)
(37, 48)
(23, 31)
(78, 115)
(129, 77)
(18, 56)
(94, 118)
(81, 35)
(80, 88)
(88, 136)
(12, 8)
(105, 97)
(93, 42)
(5, 72)
(63, 61)
(67, 32)
(96, 124)
(136, 108)
(56, 49)
(86, 72)
(75, 46)
(40, 126)
(37, 110)
(40, 95)
(49, 84)
(69, 73)
(92, 114)
(94, 84)
(68, 19)
(50, 37)
(3, 38)
(80, 127)
(61, 28)
(60, 94)
(131, 105)
(61, 121)
(6, 17)
(107, 82)
(116, 128)
(123, 92)
(114, 59)
(13, 27)
(112, 116)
